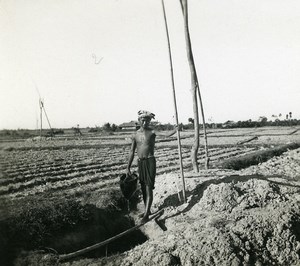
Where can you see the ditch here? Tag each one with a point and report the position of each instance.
(58, 228)
(254, 158)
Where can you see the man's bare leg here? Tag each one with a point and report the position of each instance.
(144, 193)
(149, 200)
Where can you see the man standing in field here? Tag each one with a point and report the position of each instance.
(143, 141)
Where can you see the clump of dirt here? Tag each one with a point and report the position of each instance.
(243, 223)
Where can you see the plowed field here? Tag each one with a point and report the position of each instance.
(67, 167)
(64, 166)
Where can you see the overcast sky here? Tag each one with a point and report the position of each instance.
(97, 61)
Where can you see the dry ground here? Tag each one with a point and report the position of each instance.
(246, 217)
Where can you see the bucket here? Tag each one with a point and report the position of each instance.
(128, 185)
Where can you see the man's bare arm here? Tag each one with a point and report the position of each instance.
(131, 155)
(168, 134)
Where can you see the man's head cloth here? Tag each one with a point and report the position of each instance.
(145, 114)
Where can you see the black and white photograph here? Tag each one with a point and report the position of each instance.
(149, 132)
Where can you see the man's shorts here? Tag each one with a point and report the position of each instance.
(147, 171)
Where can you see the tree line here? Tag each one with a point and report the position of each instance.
(262, 122)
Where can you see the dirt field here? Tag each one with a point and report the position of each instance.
(248, 216)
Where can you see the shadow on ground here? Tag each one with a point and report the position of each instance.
(196, 194)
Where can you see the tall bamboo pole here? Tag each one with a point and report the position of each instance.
(195, 147)
(185, 12)
(195, 84)
(175, 104)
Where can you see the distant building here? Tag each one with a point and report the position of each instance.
(129, 126)
(228, 124)
(134, 125)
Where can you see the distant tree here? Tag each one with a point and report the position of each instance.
(262, 121)
(107, 127)
(287, 117)
(191, 120)
(167, 126)
(188, 126)
(114, 127)
(277, 122)
(290, 113)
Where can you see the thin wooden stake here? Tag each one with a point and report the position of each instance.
(175, 105)
(41, 116)
(204, 129)
(47, 117)
(178, 192)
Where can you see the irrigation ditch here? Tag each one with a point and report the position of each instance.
(256, 157)
(43, 229)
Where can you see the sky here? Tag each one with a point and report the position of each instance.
(98, 61)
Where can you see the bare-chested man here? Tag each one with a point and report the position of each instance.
(143, 141)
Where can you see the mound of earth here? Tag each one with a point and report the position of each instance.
(246, 217)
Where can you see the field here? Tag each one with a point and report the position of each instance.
(64, 166)
(85, 171)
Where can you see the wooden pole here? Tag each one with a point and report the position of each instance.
(47, 118)
(247, 140)
(195, 90)
(204, 129)
(175, 104)
(195, 147)
(41, 116)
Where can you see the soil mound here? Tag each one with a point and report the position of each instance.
(250, 222)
